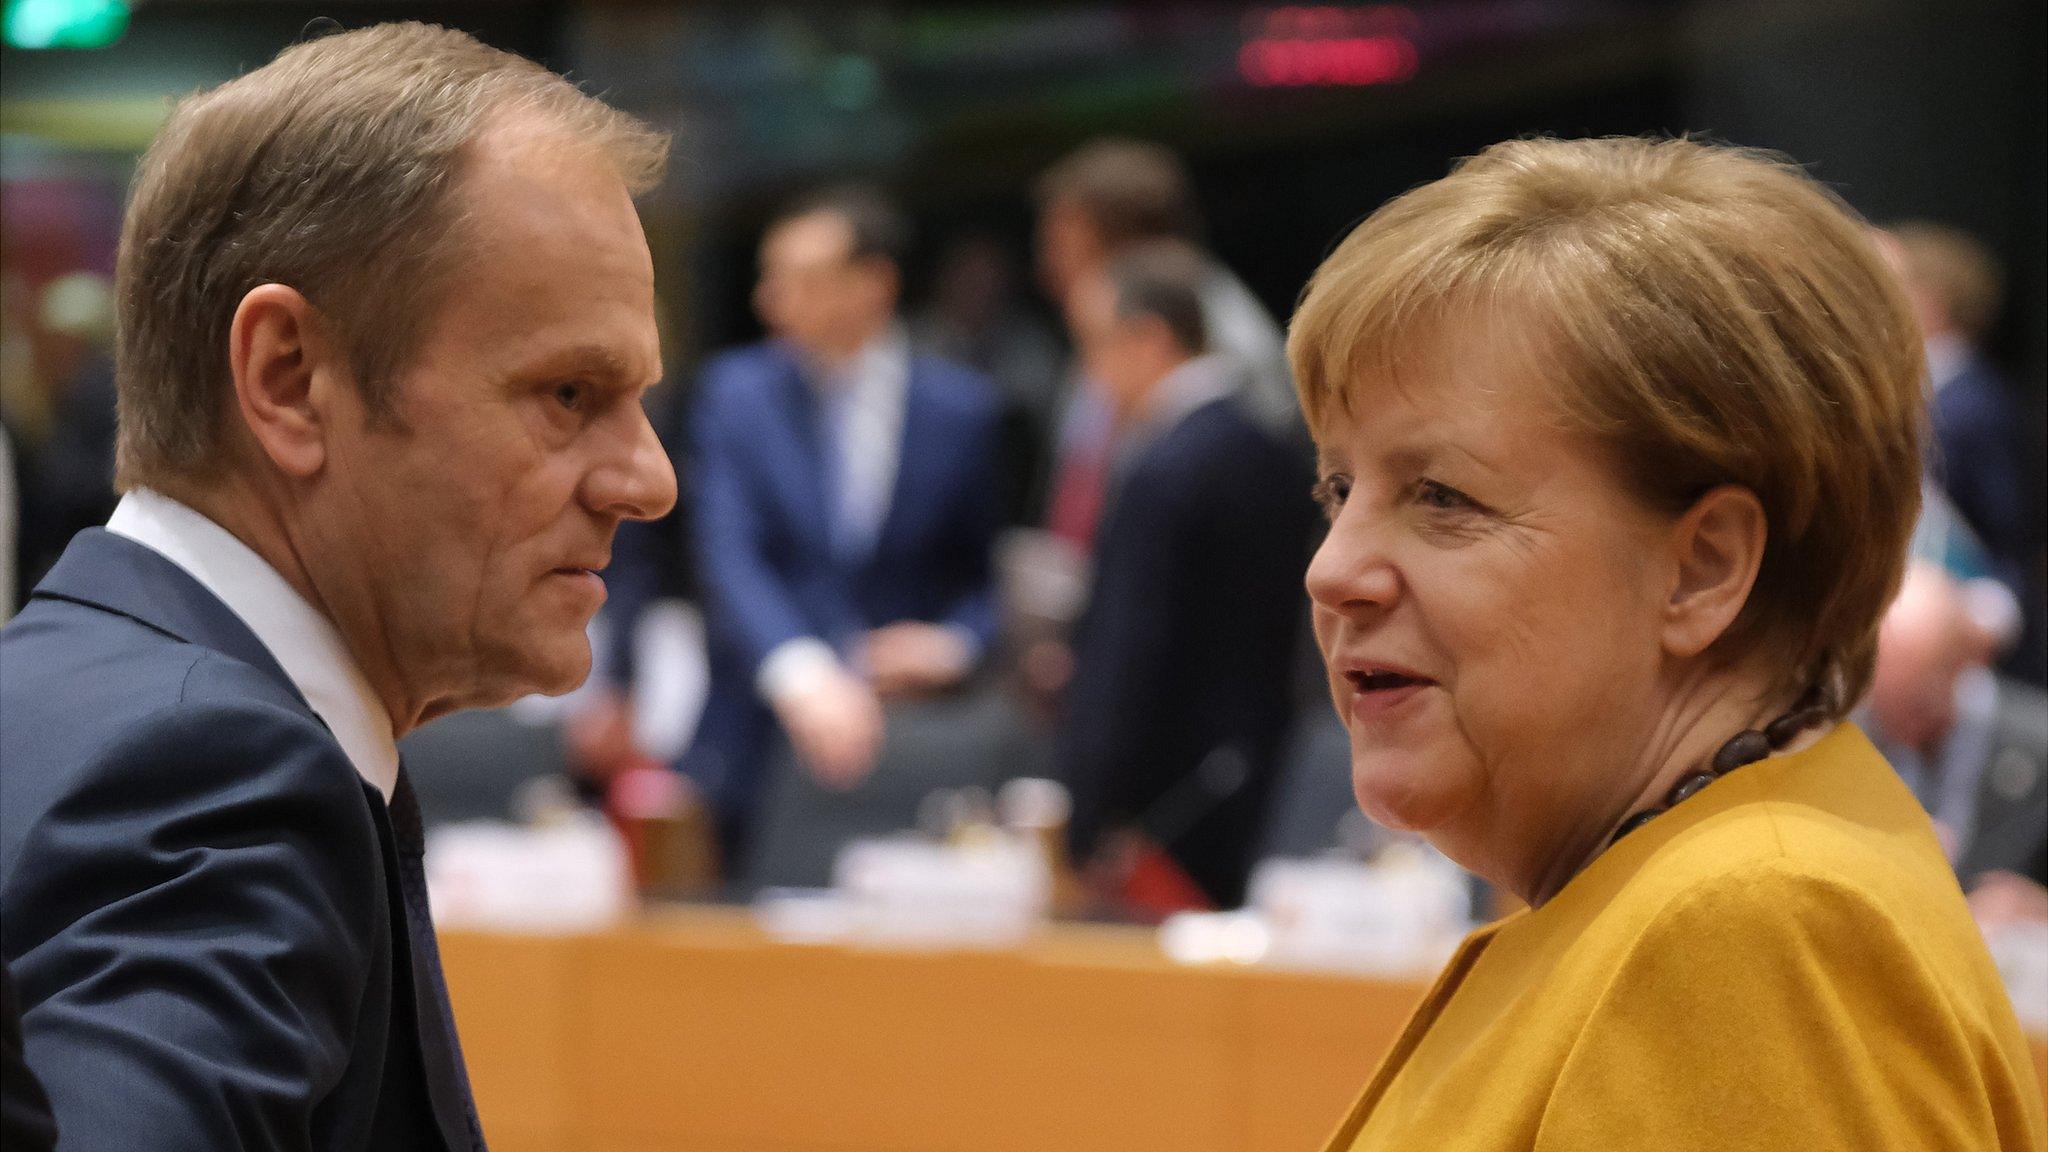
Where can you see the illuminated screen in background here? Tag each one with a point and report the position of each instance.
(1327, 45)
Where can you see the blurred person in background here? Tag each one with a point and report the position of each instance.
(65, 451)
(974, 316)
(1172, 722)
(1621, 443)
(386, 319)
(1986, 449)
(846, 505)
(10, 520)
(1971, 744)
(1093, 205)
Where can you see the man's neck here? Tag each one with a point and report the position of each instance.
(837, 359)
(250, 513)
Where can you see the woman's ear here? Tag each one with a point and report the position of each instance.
(277, 345)
(1716, 548)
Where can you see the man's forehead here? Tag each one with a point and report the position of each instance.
(814, 237)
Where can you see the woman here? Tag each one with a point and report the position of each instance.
(1620, 443)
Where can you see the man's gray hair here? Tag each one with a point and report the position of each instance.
(332, 170)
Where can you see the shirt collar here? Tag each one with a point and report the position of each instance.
(304, 642)
(1195, 383)
(884, 361)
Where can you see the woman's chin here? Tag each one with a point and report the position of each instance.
(1405, 795)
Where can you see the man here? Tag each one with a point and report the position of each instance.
(386, 317)
(1971, 744)
(1984, 439)
(846, 508)
(1100, 201)
(1180, 690)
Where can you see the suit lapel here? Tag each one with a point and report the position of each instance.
(440, 1046)
(104, 570)
(110, 572)
(810, 516)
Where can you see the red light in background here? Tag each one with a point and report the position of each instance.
(1351, 61)
(1329, 22)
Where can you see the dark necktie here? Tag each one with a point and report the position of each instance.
(442, 1047)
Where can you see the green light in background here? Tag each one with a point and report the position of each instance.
(852, 83)
(63, 23)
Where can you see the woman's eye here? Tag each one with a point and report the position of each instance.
(1330, 492)
(1443, 497)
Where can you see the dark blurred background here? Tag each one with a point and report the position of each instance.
(1294, 122)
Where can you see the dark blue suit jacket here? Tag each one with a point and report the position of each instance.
(762, 533)
(1981, 437)
(198, 894)
(1185, 650)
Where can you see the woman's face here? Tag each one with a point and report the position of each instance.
(1487, 603)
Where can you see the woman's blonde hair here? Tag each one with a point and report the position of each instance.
(1709, 315)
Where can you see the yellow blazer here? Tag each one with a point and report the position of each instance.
(1782, 962)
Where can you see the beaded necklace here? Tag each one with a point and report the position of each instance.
(1745, 747)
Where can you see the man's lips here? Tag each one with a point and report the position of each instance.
(585, 576)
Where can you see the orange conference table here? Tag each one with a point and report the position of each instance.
(692, 1029)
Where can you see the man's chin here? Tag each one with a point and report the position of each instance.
(555, 671)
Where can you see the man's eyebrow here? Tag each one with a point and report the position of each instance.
(594, 360)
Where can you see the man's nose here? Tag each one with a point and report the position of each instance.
(638, 483)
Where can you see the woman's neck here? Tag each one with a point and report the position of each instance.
(1700, 717)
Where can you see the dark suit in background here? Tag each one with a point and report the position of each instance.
(216, 927)
(1985, 446)
(762, 531)
(1184, 651)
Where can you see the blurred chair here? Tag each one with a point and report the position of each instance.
(976, 739)
(470, 765)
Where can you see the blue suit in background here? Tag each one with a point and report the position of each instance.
(762, 531)
(1981, 433)
(1985, 446)
(206, 910)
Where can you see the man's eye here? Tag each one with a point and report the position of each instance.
(569, 395)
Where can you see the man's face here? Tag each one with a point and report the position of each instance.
(1070, 248)
(467, 541)
(1124, 357)
(815, 294)
(1924, 644)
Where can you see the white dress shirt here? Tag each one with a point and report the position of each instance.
(863, 401)
(861, 405)
(302, 641)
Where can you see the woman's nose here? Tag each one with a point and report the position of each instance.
(1352, 570)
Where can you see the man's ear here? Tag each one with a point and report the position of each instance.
(280, 357)
(1716, 548)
